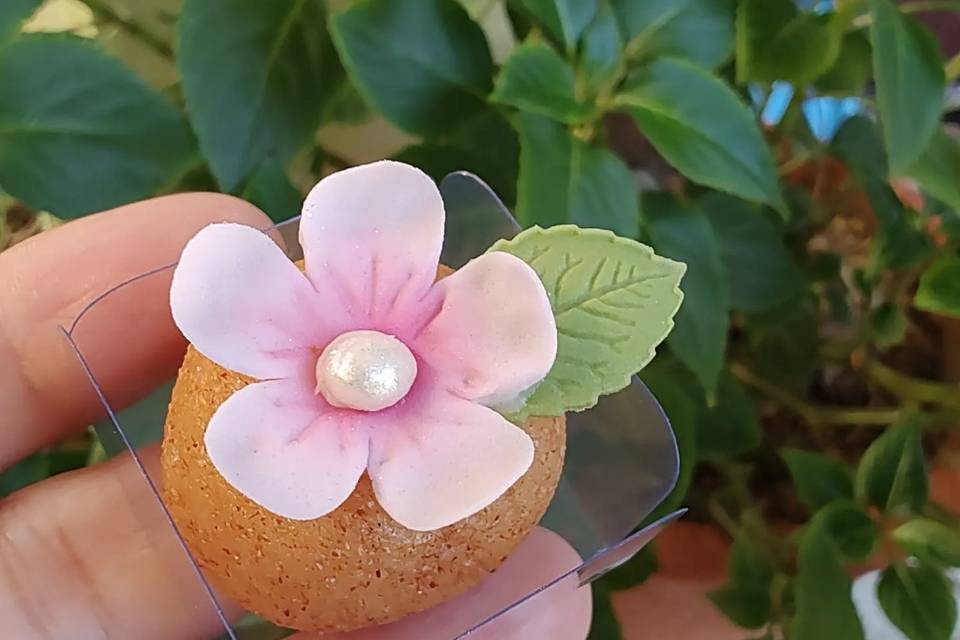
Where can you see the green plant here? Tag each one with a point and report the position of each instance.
(805, 360)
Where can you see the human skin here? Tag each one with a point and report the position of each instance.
(89, 554)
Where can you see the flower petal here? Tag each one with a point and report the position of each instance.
(375, 232)
(242, 303)
(286, 450)
(443, 460)
(495, 336)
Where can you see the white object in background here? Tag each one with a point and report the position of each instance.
(876, 624)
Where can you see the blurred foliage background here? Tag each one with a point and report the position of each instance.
(798, 156)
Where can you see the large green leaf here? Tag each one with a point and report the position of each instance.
(13, 13)
(565, 20)
(852, 68)
(937, 170)
(254, 77)
(24, 473)
(699, 30)
(762, 273)
(424, 65)
(614, 300)
(939, 289)
(496, 161)
(270, 189)
(684, 233)
(746, 598)
(79, 132)
(702, 128)
(676, 389)
(564, 179)
(781, 345)
(776, 41)
(852, 528)
(602, 49)
(929, 540)
(731, 426)
(892, 474)
(910, 82)
(919, 601)
(818, 479)
(901, 242)
(824, 606)
(536, 79)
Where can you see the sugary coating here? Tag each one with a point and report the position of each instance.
(353, 568)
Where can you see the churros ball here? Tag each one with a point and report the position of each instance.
(353, 568)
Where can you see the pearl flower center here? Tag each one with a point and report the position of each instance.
(365, 370)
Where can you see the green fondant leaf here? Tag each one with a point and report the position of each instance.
(614, 300)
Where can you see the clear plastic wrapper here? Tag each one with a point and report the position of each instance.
(621, 459)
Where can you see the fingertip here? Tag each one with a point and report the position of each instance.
(129, 337)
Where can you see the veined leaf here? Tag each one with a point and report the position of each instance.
(614, 300)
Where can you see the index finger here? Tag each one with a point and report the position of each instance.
(46, 281)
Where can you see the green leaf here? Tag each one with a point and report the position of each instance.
(271, 190)
(888, 325)
(79, 132)
(851, 69)
(424, 65)
(910, 82)
(750, 563)
(698, 30)
(439, 159)
(676, 389)
(536, 79)
(614, 300)
(919, 601)
(824, 606)
(939, 289)
(602, 49)
(929, 540)
(746, 598)
(24, 473)
(253, 76)
(346, 105)
(747, 608)
(761, 272)
(853, 531)
(775, 41)
(781, 345)
(13, 13)
(901, 242)
(563, 179)
(684, 234)
(937, 170)
(702, 128)
(819, 480)
(731, 426)
(565, 20)
(892, 473)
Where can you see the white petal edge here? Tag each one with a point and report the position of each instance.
(281, 447)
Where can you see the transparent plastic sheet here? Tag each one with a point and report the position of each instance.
(621, 459)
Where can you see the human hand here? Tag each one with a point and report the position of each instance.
(89, 554)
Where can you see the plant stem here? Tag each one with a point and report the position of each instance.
(919, 6)
(103, 11)
(907, 387)
(816, 415)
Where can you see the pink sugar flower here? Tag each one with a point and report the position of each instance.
(364, 362)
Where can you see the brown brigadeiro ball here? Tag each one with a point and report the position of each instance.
(352, 568)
